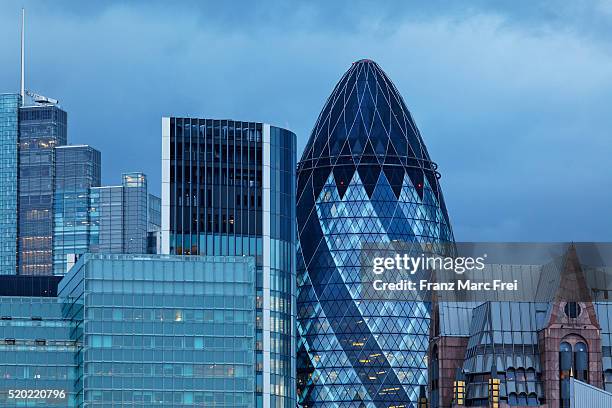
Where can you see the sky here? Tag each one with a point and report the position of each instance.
(513, 99)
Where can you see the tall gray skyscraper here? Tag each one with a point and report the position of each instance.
(119, 216)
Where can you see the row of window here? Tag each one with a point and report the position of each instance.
(158, 398)
(170, 342)
(170, 370)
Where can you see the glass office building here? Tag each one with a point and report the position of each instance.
(228, 189)
(365, 178)
(36, 348)
(9, 134)
(119, 216)
(136, 213)
(77, 169)
(42, 127)
(127, 330)
(163, 330)
(154, 225)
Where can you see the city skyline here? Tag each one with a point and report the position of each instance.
(188, 216)
(514, 124)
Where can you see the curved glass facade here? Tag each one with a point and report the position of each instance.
(365, 178)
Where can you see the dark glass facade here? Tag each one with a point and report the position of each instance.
(228, 189)
(365, 178)
(77, 169)
(41, 129)
(9, 136)
(37, 286)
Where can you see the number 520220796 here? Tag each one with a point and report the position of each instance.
(36, 394)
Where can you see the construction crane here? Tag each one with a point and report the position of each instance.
(41, 99)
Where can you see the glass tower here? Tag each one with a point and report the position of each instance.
(41, 129)
(228, 189)
(135, 213)
(154, 225)
(365, 178)
(77, 169)
(119, 216)
(9, 134)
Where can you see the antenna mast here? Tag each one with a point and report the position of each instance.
(22, 55)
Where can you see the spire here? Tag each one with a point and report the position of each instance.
(22, 91)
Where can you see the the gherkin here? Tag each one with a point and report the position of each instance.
(365, 178)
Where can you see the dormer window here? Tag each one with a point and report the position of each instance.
(572, 310)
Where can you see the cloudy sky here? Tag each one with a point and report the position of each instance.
(514, 101)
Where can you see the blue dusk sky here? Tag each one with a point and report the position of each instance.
(514, 99)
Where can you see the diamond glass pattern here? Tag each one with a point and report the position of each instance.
(365, 178)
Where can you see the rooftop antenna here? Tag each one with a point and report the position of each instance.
(38, 99)
(22, 92)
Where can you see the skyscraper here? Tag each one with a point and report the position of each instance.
(42, 127)
(365, 178)
(119, 216)
(77, 169)
(9, 134)
(228, 189)
(154, 225)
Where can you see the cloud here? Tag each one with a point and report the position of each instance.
(511, 100)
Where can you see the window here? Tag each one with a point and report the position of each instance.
(581, 362)
(573, 362)
(565, 367)
(572, 310)
(565, 359)
(608, 380)
(510, 376)
(532, 400)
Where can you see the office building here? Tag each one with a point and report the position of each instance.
(228, 189)
(154, 225)
(365, 178)
(42, 127)
(77, 170)
(9, 139)
(36, 348)
(131, 331)
(119, 216)
(164, 330)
